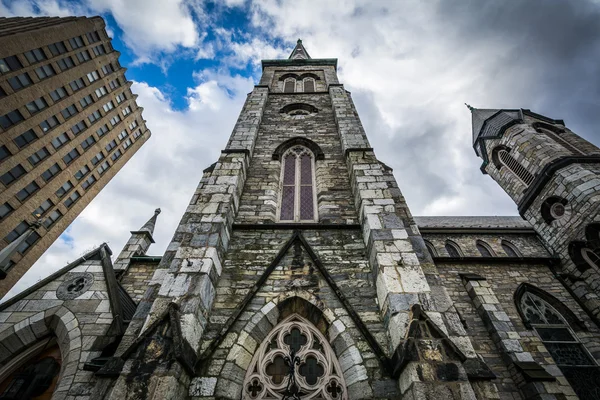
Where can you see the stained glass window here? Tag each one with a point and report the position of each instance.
(294, 361)
(561, 342)
(297, 186)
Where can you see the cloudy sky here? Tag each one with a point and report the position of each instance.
(410, 65)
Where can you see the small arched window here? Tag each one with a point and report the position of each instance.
(510, 249)
(590, 257)
(554, 133)
(453, 249)
(503, 158)
(431, 249)
(298, 195)
(289, 85)
(570, 355)
(484, 249)
(309, 85)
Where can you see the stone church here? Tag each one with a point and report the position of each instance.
(299, 272)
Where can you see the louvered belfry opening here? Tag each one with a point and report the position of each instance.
(515, 167)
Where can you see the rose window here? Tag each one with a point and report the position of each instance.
(294, 362)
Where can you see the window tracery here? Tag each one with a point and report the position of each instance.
(568, 352)
(298, 194)
(294, 361)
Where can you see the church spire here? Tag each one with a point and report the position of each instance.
(149, 225)
(299, 52)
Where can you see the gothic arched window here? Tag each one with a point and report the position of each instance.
(484, 249)
(289, 85)
(590, 257)
(554, 133)
(294, 361)
(510, 249)
(298, 195)
(502, 158)
(573, 359)
(453, 249)
(309, 85)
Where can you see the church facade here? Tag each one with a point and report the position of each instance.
(299, 272)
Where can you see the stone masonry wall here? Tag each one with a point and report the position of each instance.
(138, 277)
(80, 326)
(504, 280)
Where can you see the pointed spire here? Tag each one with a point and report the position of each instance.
(299, 52)
(149, 226)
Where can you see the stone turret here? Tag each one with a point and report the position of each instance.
(553, 175)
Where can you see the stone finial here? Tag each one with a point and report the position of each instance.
(469, 107)
(149, 226)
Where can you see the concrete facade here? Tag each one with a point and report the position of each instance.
(103, 80)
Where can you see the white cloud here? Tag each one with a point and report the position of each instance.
(152, 25)
(163, 173)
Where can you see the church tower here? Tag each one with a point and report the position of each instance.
(553, 175)
(297, 269)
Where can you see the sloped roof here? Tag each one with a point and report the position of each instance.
(473, 222)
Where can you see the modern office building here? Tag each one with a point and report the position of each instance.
(68, 123)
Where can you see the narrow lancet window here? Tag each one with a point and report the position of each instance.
(289, 85)
(309, 85)
(298, 194)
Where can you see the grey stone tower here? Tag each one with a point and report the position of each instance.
(298, 268)
(554, 177)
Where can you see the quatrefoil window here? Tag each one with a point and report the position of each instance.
(294, 361)
(77, 283)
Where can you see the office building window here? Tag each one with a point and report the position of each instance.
(35, 56)
(25, 138)
(72, 199)
(43, 208)
(78, 128)
(4, 153)
(38, 156)
(77, 84)
(64, 189)
(57, 48)
(8, 120)
(88, 182)
(44, 71)
(102, 130)
(86, 101)
(10, 63)
(101, 91)
(58, 94)
(51, 172)
(93, 76)
(49, 124)
(93, 117)
(81, 173)
(60, 141)
(36, 106)
(27, 191)
(65, 63)
(83, 56)
(88, 142)
(20, 81)
(76, 42)
(13, 175)
(52, 218)
(70, 156)
(103, 167)
(97, 158)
